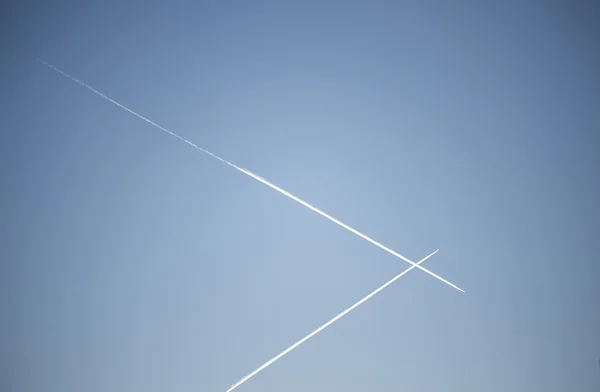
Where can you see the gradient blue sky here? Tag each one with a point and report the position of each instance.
(131, 262)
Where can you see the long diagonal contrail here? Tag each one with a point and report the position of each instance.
(258, 178)
(327, 324)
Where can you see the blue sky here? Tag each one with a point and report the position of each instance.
(131, 261)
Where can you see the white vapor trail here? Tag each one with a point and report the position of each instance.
(258, 178)
(327, 324)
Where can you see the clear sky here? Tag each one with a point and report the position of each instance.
(132, 262)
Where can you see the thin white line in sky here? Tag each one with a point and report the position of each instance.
(327, 324)
(256, 177)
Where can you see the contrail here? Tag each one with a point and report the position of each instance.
(327, 324)
(256, 177)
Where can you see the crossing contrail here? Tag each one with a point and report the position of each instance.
(256, 177)
(327, 324)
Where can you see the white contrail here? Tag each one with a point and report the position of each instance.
(258, 178)
(327, 324)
